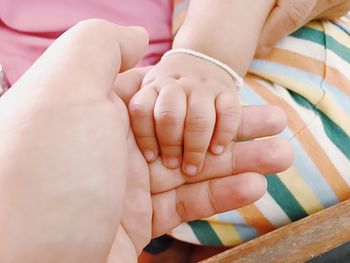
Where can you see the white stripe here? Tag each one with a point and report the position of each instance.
(308, 116)
(184, 233)
(313, 50)
(339, 160)
(338, 33)
(280, 91)
(272, 211)
(334, 61)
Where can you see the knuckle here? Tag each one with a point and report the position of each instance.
(229, 121)
(138, 110)
(232, 111)
(172, 145)
(181, 210)
(212, 198)
(146, 139)
(167, 118)
(199, 124)
(146, 142)
(169, 149)
(148, 81)
(194, 156)
(225, 135)
(195, 152)
(234, 161)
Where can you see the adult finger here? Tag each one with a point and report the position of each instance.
(200, 200)
(141, 109)
(261, 156)
(261, 121)
(199, 126)
(285, 18)
(169, 115)
(95, 63)
(228, 112)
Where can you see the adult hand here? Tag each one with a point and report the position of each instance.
(74, 187)
(64, 148)
(289, 15)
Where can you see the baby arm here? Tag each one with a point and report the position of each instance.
(186, 104)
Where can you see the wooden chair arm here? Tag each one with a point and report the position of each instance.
(296, 242)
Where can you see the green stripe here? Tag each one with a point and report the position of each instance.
(310, 34)
(205, 233)
(318, 37)
(336, 134)
(284, 198)
(333, 131)
(302, 101)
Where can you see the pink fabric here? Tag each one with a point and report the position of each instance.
(27, 27)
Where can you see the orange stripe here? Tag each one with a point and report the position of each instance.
(255, 218)
(313, 66)
(308, 142)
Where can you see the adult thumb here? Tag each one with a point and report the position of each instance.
(287, 17)
(88, 56)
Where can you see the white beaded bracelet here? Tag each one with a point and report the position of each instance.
(236, 78)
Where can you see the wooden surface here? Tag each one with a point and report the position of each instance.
(297, 242)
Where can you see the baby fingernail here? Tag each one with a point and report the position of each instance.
(191, 169)
(149, 155)
(172, 162)
(219, 149)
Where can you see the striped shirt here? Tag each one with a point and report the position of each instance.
(308, 75)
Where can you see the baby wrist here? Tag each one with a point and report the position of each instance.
(237, 79)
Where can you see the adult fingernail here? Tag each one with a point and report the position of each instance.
(219, 149)
(149, 155)
(172, 162)
(191, 169)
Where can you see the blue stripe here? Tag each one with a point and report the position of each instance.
(245, 231)
(250, 97)
(312, 80)
(342, 27)
(310, 173)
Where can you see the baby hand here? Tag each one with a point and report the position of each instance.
(186, 105)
